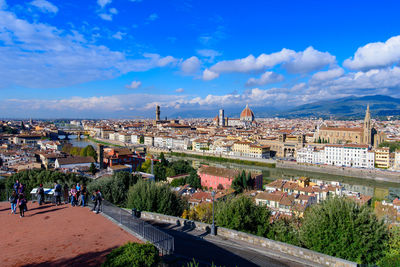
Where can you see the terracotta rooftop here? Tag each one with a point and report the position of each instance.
(57, 236)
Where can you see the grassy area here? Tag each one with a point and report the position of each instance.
(101, 142)
(221, 159)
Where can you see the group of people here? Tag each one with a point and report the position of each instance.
(76, 196)
(18, 199)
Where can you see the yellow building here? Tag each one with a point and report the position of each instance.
(382, 157)
(247, 149)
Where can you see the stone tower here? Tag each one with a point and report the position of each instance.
(157, 113)
(367, 128)
(221, 118)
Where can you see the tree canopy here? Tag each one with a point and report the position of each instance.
(149, 196)
(341, 228)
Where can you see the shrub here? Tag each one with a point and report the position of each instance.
(133, 254)
(341, 228)
(149, 196)
(242, 214)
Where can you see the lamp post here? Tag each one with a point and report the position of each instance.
(213, 232)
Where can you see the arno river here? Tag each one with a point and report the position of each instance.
(367, 187)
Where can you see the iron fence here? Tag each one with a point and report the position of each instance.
(163, 241)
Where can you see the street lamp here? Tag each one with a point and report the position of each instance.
(213, 232)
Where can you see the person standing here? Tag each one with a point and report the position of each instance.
(83, 195)
(66, 194)
(40, 194)
(57, 193)
(73, 195)
(16, 186)
(21, 203)
(13, 200)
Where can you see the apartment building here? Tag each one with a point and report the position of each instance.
(382, 157)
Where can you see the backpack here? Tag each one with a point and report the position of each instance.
(12, 199)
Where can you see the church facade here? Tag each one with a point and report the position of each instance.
(367, 135)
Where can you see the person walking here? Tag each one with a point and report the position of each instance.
(40, 194)
(57, 193)
(13, 200)
(98, 199)
(21, 203)
(16, 186)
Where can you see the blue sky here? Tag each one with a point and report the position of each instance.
(119, 58)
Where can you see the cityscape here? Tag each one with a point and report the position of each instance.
(147, 133)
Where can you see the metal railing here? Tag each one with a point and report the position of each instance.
(163, 241)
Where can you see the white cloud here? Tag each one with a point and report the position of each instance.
(309, 60)
(103, 3)
(3, 4)
(105, 16)
(119, 35)
(191, 65)
(113, 11)
(209, 75)
(250, 63)
(37, 55)
(134, 85)
(44, 6)
(375, 55)
(208, 53)
(266, 78)
(294, 62)
(153, 17)
(180, 90)
(327, 75)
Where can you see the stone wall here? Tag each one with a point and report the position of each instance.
(268, 244)
(374, 174)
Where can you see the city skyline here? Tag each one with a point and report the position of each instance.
(121, 58)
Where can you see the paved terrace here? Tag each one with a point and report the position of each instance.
(57, 236)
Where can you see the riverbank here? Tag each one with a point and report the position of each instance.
(100, 141)
(223, 159)
(371, 174)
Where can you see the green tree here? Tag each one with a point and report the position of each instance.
(149, 196)
(193, 180)
(341, 228)
(242, 214)
(141, 139)
(133, 254)
(392, 253)
(163, 161)
(93, 169)
(22, 126)
(285, 230)
(178, 182)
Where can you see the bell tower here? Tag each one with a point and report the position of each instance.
(367, 128)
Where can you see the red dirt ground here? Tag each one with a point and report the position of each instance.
(57, 236)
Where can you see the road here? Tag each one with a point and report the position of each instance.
(207, 249)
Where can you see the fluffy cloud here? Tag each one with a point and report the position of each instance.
(118, 35)
(3, 4)
(209, 75)
(375, 55)
(103, 3)
(180, 90)
(327, 75)
(106, 16)
(134, 85)
(208, 53)
(44, 6)
(39, 55)
(294, 62)
(113, 11)
(266, 78)
(309, 60)
(153, 17)
(191, 65)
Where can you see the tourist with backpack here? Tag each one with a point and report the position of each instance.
(57, 193)
(21, 203)
(40, 194)
(13, 200)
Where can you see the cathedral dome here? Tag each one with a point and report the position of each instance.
(247, 114)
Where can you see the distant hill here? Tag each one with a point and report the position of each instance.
(352, 106)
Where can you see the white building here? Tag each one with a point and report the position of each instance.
(347, 155)
(135, 139)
